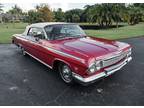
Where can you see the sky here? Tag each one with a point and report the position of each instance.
(55, 4)
(28, 6)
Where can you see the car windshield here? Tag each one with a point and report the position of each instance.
(62, 31)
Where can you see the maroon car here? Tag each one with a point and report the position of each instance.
(65, 48)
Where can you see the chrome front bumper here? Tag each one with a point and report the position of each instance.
(108, 71)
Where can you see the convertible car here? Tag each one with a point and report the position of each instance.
(66, 48)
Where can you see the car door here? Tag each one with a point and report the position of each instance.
(43, 51)
(37, 45)
(34, 44)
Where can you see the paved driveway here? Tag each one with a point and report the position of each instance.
(24, 81)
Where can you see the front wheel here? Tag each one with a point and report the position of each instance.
(65, 73)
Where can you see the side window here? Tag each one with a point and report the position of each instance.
(30, 32)
(36, 32)
(52, 31)
(48, 31)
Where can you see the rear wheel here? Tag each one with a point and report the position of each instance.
(23, 51)
(65, 73)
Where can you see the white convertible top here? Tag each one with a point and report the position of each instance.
(42, 25)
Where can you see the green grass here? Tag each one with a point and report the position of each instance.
(8, 29)
(119, 33)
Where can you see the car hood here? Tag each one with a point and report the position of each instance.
(89, 46)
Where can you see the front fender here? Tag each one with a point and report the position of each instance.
(74, 66)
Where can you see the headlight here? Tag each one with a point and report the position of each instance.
(92, 68)
(95, 66)
(129, 52)
(98, 65)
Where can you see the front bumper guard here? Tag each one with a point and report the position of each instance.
(108, 71)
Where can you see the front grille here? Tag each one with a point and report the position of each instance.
(114, 59)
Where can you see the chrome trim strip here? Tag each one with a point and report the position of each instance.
(114, 68)
(38, 60)
(114, 54)
(117, 67)
(129, 59)
(62, 53)
(114, 59)
(106, 73)
(89, 79)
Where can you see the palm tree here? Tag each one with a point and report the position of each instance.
(133, 14)
(89, 13)
(15, 10)
(117, 11)
(103, 14)
(100, 13)
(73, 15)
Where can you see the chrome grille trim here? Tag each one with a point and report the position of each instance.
(107, 71)
(114, 59)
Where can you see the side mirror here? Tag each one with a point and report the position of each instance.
(37, 35)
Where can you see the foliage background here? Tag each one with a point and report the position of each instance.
(106, 20)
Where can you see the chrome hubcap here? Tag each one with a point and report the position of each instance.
(23, 51)
(66, 73)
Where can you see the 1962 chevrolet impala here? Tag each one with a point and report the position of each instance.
(65, 48)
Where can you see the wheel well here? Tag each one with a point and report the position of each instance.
(57, 63)
(12, 41)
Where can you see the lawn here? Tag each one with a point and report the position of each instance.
(119, 33)
(8, 29)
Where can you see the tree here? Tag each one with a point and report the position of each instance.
(88, 13)
(140, 5)
(141, 9)
(99, 13)
(133, 14)
(73, 15)
(59, 15)
(32, 17)
(117, 11)
(106, 13)
(16, 12)
(45, 13)
(42, 13)
(1, 7)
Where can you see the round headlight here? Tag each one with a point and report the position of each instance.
(129, 52)
(92, 68)
(98, 65)
(95, 66)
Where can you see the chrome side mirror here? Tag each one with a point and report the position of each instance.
(38, 35)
